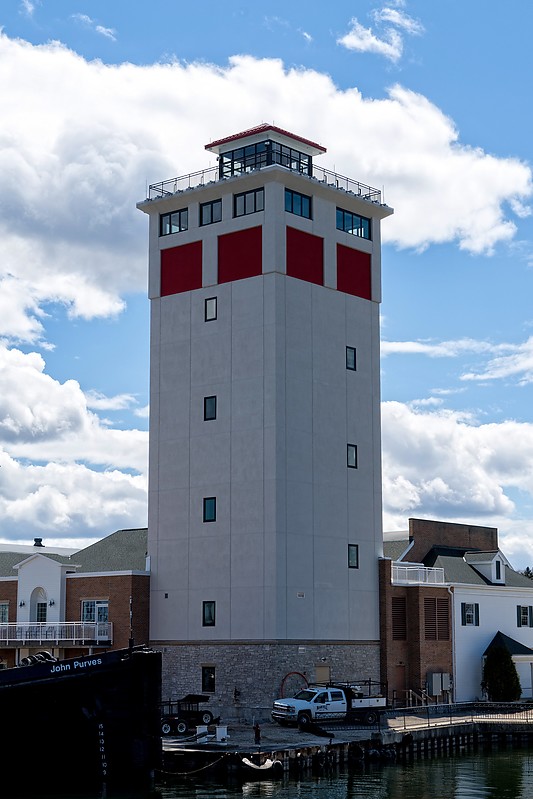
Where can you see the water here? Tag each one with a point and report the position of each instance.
(498, 775)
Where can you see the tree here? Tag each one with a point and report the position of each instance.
(500, 677)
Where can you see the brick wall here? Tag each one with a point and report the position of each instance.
(415, 657)
(117, 591)
(427, 533)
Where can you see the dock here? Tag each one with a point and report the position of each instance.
(293, 752)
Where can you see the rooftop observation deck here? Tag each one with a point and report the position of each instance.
(177, 185)
(416, 575)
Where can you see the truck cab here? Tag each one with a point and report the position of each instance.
(332, 703)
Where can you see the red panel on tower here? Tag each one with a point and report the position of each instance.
(181, 268)
(305, 256)
(240, 254)
(353, 272)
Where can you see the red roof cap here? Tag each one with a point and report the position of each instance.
(264, 128)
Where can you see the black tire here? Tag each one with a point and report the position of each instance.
(371, 717)
(304, 720)
(182, 727)
(166, 727)
(207, 717)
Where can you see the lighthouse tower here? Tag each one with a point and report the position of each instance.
(265, 444)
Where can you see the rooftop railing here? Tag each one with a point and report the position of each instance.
(167, 188)
(45, 634)
(417, 575)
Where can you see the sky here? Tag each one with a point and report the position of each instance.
(429, 102)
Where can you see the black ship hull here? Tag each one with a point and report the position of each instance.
(81, 724)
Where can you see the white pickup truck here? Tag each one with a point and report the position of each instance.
(339, 702)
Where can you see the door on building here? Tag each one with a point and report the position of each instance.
(399, 684)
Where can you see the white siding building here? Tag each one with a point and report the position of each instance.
(265, 463)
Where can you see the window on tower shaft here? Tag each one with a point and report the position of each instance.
(248, 202)
(352, 456)
(208, 614)
(210, 408)
(351, 360)
(353, 556)
(353, 223)
(210, 309)
(174, 222)
(296, 203)
(210, 509)
(210, 212)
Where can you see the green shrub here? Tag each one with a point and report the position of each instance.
(500, 677)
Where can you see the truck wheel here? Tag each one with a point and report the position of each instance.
(371, 717)
(181, 726)
(207, 718)
(166, 729)
(304, 720)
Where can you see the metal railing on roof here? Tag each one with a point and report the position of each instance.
(167, 188)
(417, 575)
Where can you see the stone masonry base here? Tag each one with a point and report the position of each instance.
(250, 676)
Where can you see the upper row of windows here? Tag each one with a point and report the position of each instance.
(249, 202)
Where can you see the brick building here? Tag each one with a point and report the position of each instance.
(71, 603)
(446, 592)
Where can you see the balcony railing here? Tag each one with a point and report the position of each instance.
(59, 634)
(417, 575)
(167, 188)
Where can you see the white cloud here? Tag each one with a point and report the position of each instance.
(388, 42)
(509, 361)
(437, 465)
(69, 230)
(412, 26)
(62, 469)
(441, 349)
(518, 364)
(99, 402)
(363, 40)
(109, 33)
(67, 500)
(27, 7)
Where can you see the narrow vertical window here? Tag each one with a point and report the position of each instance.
(210, 408)
(208, 614)
(210, 509)
(208, 679)
(352, 456)
(210, 309)
(498, 570)
(353, 556)
(470, 614)
(524, 615)
(351, 362)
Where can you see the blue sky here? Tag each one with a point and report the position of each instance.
(428, 102)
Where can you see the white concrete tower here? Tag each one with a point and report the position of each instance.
(265, 444)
